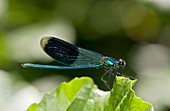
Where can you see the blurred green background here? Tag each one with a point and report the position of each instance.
(135, 30)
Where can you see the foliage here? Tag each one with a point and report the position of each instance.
(81, 94)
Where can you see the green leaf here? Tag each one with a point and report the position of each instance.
(81, 94)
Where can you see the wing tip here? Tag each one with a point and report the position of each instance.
(44, 41)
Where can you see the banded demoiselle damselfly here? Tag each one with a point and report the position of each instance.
(74, 57)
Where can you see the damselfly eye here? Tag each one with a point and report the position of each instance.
(121, 63)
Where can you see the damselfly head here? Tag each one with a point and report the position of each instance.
(121, 63)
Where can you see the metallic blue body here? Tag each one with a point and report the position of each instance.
(59, 67)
